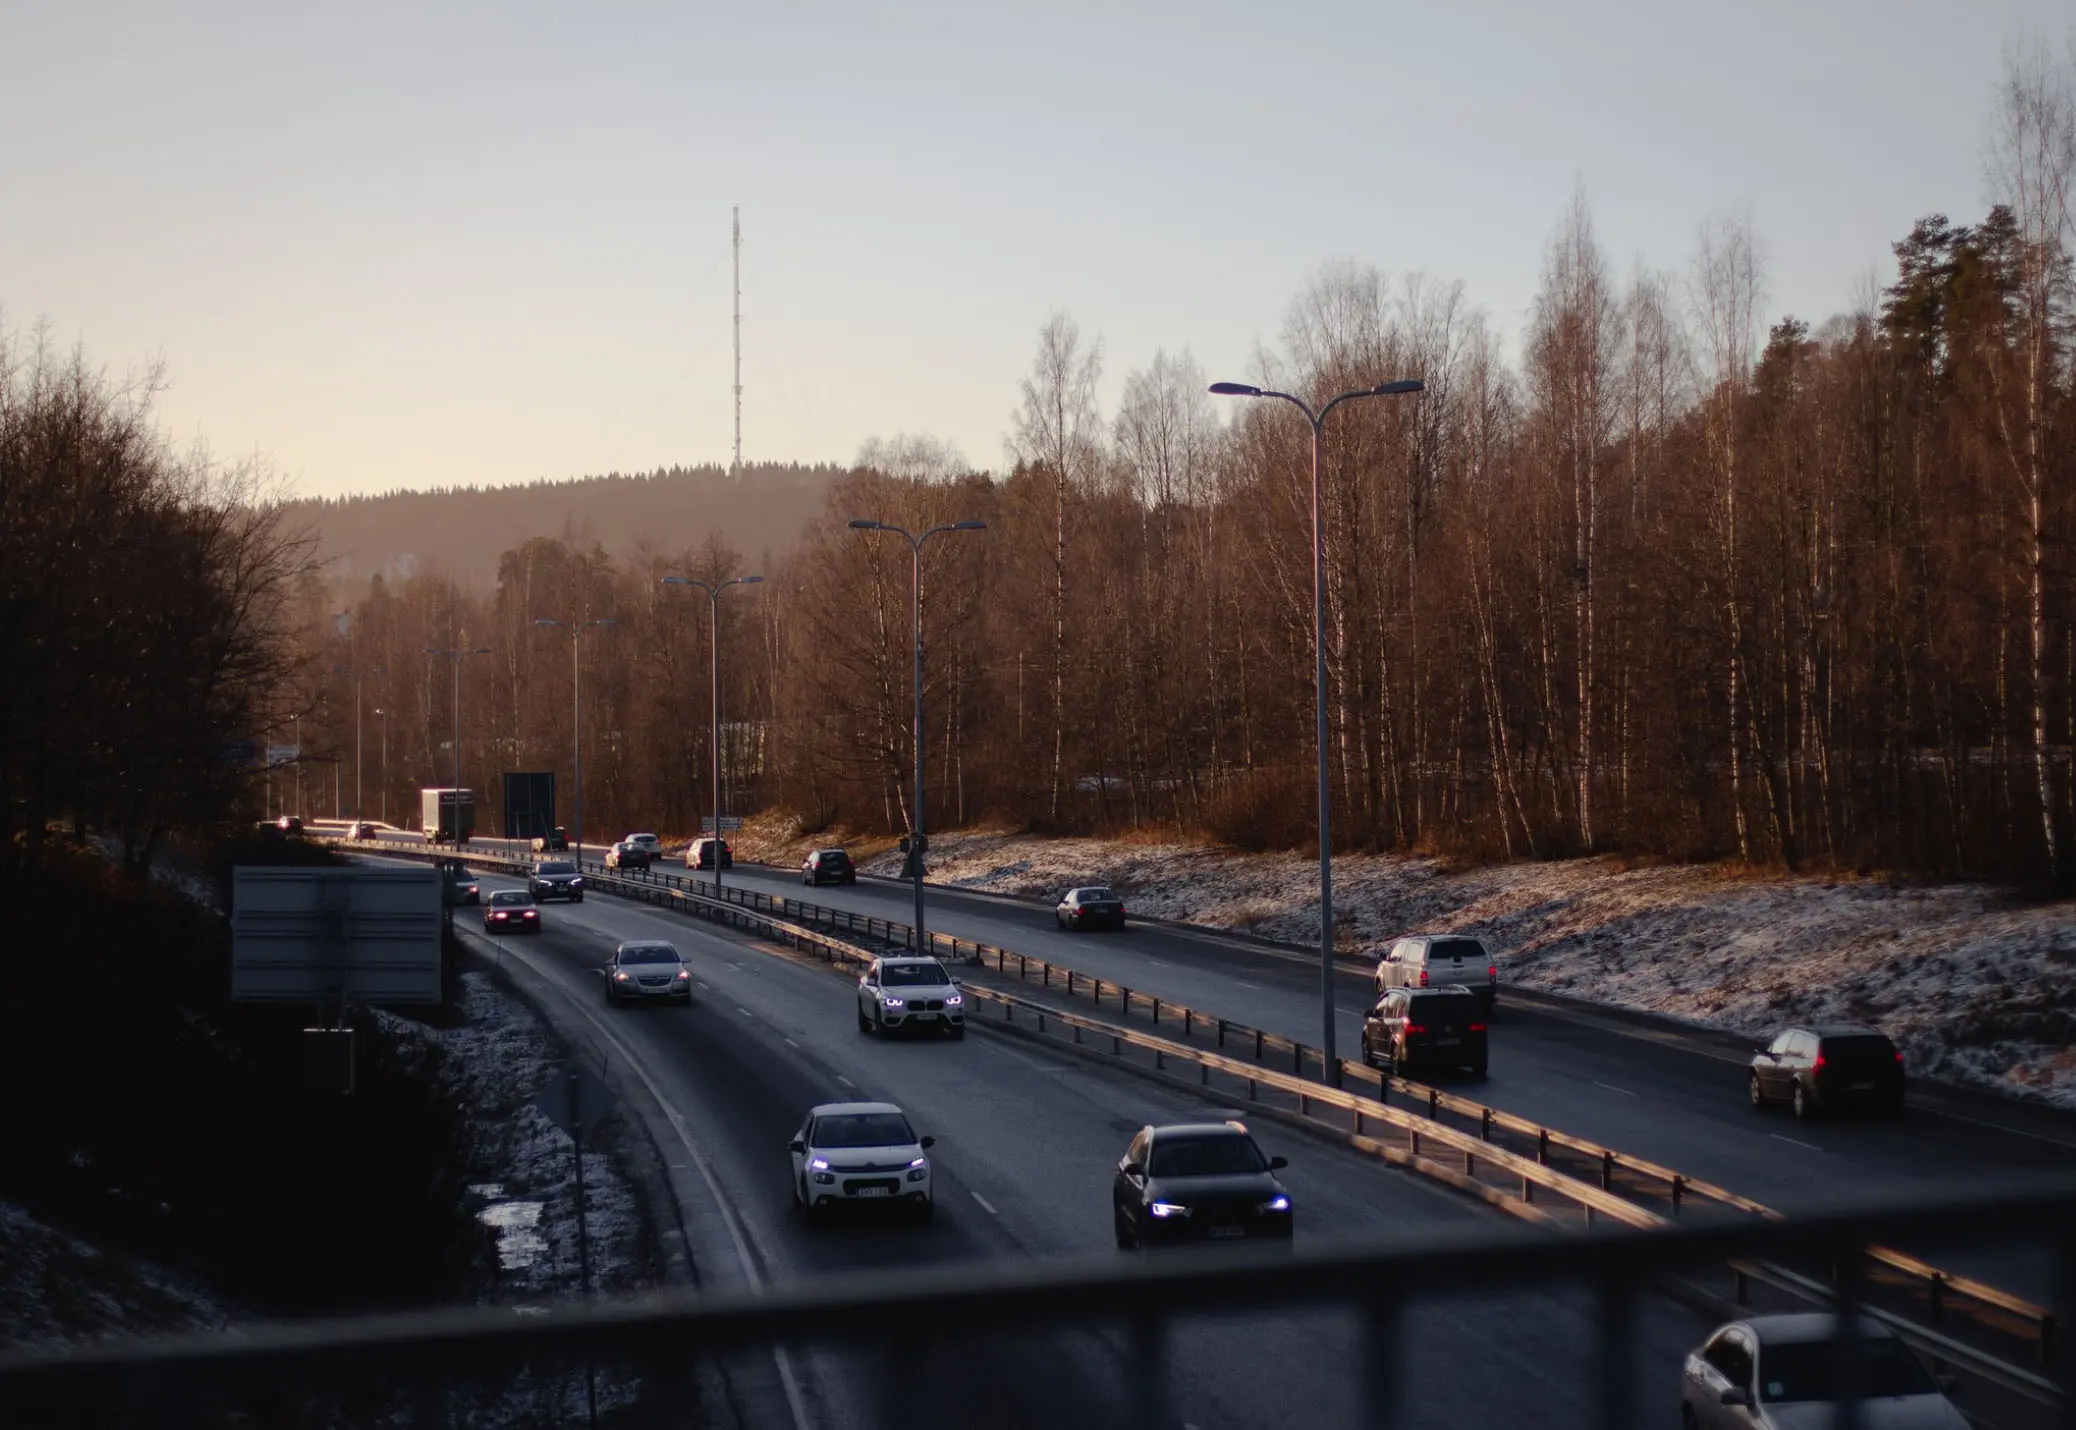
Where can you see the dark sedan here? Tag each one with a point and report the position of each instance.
(511, 911)
(1198, 1182)
(1090, 908)
(557, 879)
(1828, 1067)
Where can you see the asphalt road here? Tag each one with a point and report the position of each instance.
(1027, 1139)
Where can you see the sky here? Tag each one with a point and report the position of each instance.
(410, 245)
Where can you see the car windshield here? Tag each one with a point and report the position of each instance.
(833, 856)
(863, 1129)
(1863, 1048)
(510, 896)
(649, 953)
(557, 866)
(1097, 896)
(1205, 1157)
(1807, 1370)
(1448, 1009)
(1457, 948)
(903, 975)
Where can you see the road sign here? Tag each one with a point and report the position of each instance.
(282, 754)
(575, 1100)
(240, 753)
(729, 823)
(366, 934)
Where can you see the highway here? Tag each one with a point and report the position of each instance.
(1656, 1091)
(1027, 1141)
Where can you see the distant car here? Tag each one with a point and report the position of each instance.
(1093, 907)
(647, 971)
(288, 823)
(555, 841)
(1198, 1182)
(459, 884)
(1430, 960)
(556, 879)
(361, 829)
(511, 910)
(627, 856)
(1827, 1068)
(828, 866)
(910, 994)
(1426, 1027)
(860, 1154)
(648, 843)
(1780, 1373)
(699, 854)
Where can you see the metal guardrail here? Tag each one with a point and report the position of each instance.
(439, 1354)
(1941, 1289)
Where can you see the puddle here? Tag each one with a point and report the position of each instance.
(519, 1244)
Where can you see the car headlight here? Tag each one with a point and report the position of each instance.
(1168, 1209)
(1275, 1204)
(619, 978)
(917, 1175)
(820, 1164)
(920, 1162)
(954, 1000)
(574, 882)
(897, 1003)
(684, 975)
(825, 1179)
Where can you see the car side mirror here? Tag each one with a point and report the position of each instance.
(796, 1145)
(1277, 1164)
(1133, 1169)
(1735, 1395)
(927, 1143)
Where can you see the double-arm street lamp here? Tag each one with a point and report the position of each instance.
(576, 631)
(457, 656)
(1330, 1066)
(915, 543)
(713, 591)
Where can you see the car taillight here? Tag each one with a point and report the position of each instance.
(1492, 972)
(1818, 1065)
(1477, 1027)
(1423, 978)
(1899, 1057)
(1416, 1027)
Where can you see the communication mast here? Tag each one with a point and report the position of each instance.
(736, 470)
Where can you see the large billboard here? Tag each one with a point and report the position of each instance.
(529, 805)
(369, 934)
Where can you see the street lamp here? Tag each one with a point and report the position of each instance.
(576, 631)
(713, 591)
(915, 543)
(457, 656)
(383, 716)
(360, 810)
(1329, 1064)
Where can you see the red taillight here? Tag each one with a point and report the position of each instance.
(1416, 1027)
(1899, 1057)
(1818, 1065)
(1423, 978)
(1477, 1027)
(1492, 972)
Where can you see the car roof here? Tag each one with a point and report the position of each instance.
(1434, 988)
(1432, 937)
(510, 896)
(1198, 1129)
(841, 1109)
(820, 852)
(1800, 1327)
(891, 958)
(647, 943)
(1847, 1030)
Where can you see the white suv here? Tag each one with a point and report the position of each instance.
(649, 844)
(860, 1154)
(1436, 961)
(910, 994)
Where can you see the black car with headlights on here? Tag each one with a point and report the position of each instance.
(557, 879)
(1198, 1182)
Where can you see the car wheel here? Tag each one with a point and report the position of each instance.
(864, 1023)
(1758, 1093)
(926, 1210)
(1123, 1228)
(576, 898)
(1687, 1420)
(853, 879)
(799, 1195)
(1369, 1053)
(1477, 1069)
(958, 1030)
(879, 1021)
(1803, 1106)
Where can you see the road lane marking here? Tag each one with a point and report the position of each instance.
(845, 1081)
(1612, 1088)
(706, 985)
(1796, 1142)
(1245, 984)
(1158, 964)
(983, 1203)
(791, 1044)
(746, 1012)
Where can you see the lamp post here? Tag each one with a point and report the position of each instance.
(360, 809)
(457, 656)
(713, 591)
(915, 544)
(1330, 1066)
(576, 631)
(383, 716)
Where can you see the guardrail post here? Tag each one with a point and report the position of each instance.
(1077, 1032)
(1607, 1171)
(1188, 1022)
(1527, 1190)
(1485, 1133)
(1414, 1134)
(1304, 1105)
(1679, 1186)
(1045, 974)
(1740, 1285)
(1297, 1061)
(1434, 1105)
(1542, 1146)
(2047, 1340)
(1070, 983)
(1156, 1012)
(1470, 1166)
(1935, 1288)
(1257, 1045)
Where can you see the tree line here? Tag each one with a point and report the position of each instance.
(1675, 582)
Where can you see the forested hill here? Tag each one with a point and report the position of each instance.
(462, 530)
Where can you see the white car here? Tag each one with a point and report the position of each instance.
(911, 994)
(1777, 1373)
(860, 1154)
(649, 844)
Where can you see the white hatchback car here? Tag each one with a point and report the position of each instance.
(1779, 1373)
(912, 994)
(860, 1154)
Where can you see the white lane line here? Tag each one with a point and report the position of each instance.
(738, 1233)
(845, 1081)
(1612, 1088)
(1796, 1142)
(746, 1012)
(706, 985)
(790, 1043)
(1245, 984)
(984, 1204)
(1158, 964)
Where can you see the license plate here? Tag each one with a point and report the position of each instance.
(1447, 1042)
(872, 1192)
(1863, 1087)
(1228, 1231)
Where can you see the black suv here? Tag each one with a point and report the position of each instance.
(1828, 1066)
(1426, 1027)
(1198, 1182)
(557, 879)
(828, 866)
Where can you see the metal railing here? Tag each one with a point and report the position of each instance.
(421, 1358)
(1643, 1182)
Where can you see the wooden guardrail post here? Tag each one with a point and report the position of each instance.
(1607, 1171)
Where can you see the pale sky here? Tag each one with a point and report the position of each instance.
(417, 244)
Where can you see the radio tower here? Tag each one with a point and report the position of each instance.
(736, 470)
